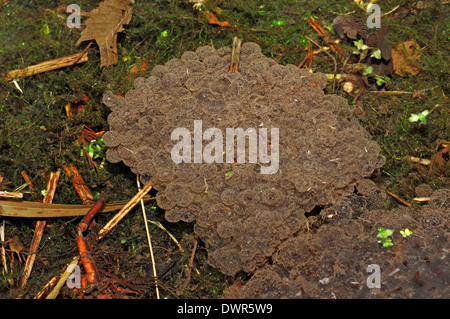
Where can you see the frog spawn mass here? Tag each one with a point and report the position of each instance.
(240, 214)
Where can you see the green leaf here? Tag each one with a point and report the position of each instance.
(387, 242)
(376, 54)
(46, 29)
(360, 45)
(413, 118)
(368, 70)
(381, 79)
(421, 116)
(228, 175)
(278, 22)
(384, 233)
(405, 232)
(164, 34)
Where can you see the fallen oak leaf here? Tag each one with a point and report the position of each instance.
(103, 25)
(404, 57)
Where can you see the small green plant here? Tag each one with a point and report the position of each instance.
(360, 46)
(261, 11)
(422, 117)
(164, 34)
(94, 149)
(405, 232)
(368, 71)
(381, 79)
(278, 22)
(383, 234)
(376, 54)
(228, 175)
(363, 49)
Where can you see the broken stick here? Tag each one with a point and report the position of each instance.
(40, 226)
(47, 66)
(321, 32)
(125, 209)
(235, 54)
(401, 200)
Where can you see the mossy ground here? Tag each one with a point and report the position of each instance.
(37, 136)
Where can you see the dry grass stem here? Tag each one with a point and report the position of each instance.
(149, 240)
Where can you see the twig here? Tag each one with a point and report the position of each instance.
(308, 59)
(149, 240)
(191, 260)
(391, 92)
(89, 282)
(401, 200)
(27, 180)
(79, 184)
(47, 66)
(40, 226)
(11, 194)
(334, 60)
(387, 13)
(125, 209)
(321, 32)
(62, 280)
(2, 238)
(235, 54)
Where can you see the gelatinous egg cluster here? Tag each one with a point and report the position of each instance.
(241, 215)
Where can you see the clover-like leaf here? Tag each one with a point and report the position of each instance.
(387, 242)
(384, 233)
(376, 54)
(405, 232)
(360, 45)
(421, 116)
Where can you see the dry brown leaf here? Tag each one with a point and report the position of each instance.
(137, 69)
(103, 25)
(405, 56)
(213, 20)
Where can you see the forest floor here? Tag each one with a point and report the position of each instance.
(43, 118)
